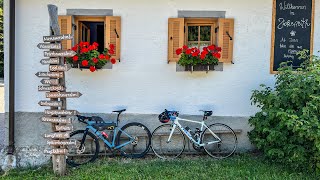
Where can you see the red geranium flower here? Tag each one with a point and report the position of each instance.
(92, 47)
(179, 51)
(211, 47)
(84, 63)
(95, 44)
(92, 68)
(194, 54)
(75, 58)
(113, 61)
(75, 48)
(95, 60)
(218, 49)
(84, 50)
(216, 55)
(185, 47)
(101, 56)
(202, 56)
(107, 57)
(111, 46)
(111, 51)
(188, 51)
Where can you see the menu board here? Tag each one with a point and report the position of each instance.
(292, 31)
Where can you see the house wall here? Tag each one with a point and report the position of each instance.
(143, 82)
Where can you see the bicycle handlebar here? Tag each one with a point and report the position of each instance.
(83, 119)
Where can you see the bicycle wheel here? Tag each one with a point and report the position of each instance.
(89, 151)
(164, 149)
(141, 143)
(224, 148)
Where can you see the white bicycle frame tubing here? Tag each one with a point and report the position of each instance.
(203, 125)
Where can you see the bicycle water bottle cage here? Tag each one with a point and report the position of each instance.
(104, 126)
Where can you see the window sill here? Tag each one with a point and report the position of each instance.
(218, 67)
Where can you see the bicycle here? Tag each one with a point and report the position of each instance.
(132, 140)
(168, 141)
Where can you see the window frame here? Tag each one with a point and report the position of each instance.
(201, 22)
(79, 19)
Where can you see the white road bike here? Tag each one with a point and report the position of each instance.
(168, 140)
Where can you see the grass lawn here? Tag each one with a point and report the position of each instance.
(187, 167)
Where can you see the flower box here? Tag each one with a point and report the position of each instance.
(199, 68)
(192, 59)
(88, 57)
(108, 65)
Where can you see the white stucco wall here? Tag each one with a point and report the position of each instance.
(143, 82)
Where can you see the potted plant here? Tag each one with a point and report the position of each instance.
(194, 59)
(89, 57)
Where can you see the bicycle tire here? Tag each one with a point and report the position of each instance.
(134, 150)
(75, 153)
(223, 149)
(175, 147)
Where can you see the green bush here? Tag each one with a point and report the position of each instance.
(288, 127)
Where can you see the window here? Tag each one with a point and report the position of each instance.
(200, 32)
(104, 30)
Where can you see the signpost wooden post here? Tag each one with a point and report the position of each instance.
(57, 115)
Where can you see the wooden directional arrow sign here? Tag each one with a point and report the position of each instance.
(63, 94)
(50, 74)
(51, 88)
(66, 53)
(49, 46)
(51, 103)
(50, 81)
(61, 112)
(64, 135)
(56, 151)
(50, 61)
(57, 38)
(63, 128)
(61, 142)
(59, 68)
(62, 120)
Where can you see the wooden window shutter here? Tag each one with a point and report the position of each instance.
(175, 37)
(65, 23)
(225, 39)
(113, 34)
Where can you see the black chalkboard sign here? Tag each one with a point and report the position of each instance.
(292, 31)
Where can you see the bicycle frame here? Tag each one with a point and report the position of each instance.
(112, 144)
(175, 123)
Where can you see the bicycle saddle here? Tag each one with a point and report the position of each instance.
(119, 111)
(207, 113)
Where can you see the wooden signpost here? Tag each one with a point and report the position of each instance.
(50, 74)
(51, 88)
(60, 112)
(57, 115)
(51, 103)
(57, 46)
(50, 81)
(58, 38)
(59, 68)
(56, 120)
(56, 151)
(63, 95)
(66, 53)
(50, 61)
